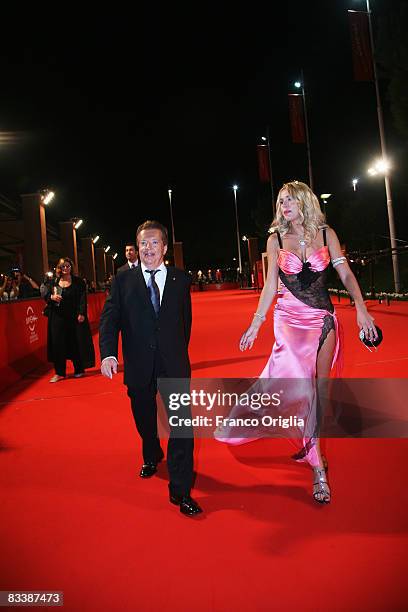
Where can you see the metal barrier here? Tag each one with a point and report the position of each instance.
(23, 329)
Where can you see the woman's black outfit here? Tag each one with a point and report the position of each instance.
(67, 338)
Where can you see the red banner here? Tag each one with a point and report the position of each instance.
(361, 47)
(23, 329)
(263, 163)
(297, 122)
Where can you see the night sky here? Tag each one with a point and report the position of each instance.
(111, 110)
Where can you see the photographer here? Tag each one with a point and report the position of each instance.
(27, 287)
(8, 289)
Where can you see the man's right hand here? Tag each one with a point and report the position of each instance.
(109, 366)
(56, 297)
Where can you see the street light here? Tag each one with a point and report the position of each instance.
(354, 183)
(169, 191)
(114, 256)
(78, 224)
(266, 143)
(381, 166)
(235, 188)
(47, 196)
(324, 197)
(95, 240)
(301, 85)
(107, 248)
(387, 182)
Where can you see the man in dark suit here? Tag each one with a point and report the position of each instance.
(151, 307)
(131, 257)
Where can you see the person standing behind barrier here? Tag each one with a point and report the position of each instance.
(9, 289)
(69, 333)
(27, 287)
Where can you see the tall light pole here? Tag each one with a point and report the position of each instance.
(387, 182)
(384, 161)
(266, 139)
(235, 188)
(301, 85)
(171, 216)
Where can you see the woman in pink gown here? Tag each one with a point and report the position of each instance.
(306, 330)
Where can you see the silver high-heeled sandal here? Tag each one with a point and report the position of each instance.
(321, 489)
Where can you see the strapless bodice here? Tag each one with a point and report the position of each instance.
(290, 263)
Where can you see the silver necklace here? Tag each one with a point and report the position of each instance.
(302, 243)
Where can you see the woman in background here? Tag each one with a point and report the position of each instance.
(69, 334)
(9, 289)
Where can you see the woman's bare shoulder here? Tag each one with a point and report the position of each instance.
(272, 246)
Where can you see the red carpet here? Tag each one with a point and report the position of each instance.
(76, 518)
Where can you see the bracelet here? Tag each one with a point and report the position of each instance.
(256, 314)
(339, 260)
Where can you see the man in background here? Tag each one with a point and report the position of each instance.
(131, 257)
(27, 287)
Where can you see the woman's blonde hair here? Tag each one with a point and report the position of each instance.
(309, 210)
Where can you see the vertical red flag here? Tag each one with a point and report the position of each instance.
(297, 121)
(263, 163)
(361, 46)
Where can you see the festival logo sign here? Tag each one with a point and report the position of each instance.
(31, 320)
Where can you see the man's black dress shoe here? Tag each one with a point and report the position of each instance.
(148, 470)
(150, 467)
(187, 504)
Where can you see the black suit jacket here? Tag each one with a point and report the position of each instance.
(128, 310)
(125, 267)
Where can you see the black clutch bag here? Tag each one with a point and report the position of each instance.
(371, 343)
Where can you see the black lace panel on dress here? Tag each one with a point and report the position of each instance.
(309, 287)
(328, 325)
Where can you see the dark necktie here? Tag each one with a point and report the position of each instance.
(133, 265)
(154, 290)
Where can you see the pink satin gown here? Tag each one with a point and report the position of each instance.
(303, 317)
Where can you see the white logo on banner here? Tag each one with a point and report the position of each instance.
(31, 320)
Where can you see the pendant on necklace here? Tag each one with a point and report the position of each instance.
(302, 242)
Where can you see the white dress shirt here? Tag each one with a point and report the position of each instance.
(135, 263)
(159, 277)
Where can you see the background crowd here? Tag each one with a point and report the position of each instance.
(17, 285)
